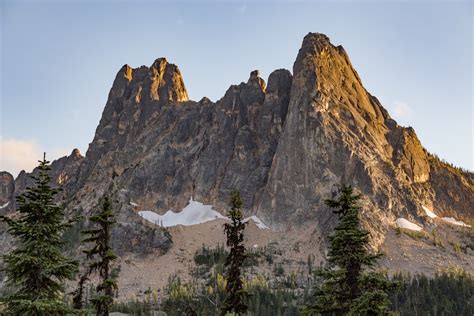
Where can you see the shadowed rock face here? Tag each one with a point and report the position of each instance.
(285, 146)
(165, 152)
(7, 191)
(64, 172)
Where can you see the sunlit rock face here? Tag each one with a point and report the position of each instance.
(286, 145)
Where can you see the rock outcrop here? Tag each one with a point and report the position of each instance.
(7, 191)
(64, 172)
(285, 146)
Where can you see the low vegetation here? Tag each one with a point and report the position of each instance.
(437, 242)
(456, 248)
(416, 235)
(446, 293)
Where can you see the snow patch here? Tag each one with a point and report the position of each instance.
(133, 204)
(257, 221)
(406, 224)
(450, 220)
(453, 221)
(194, 213)
(4, 205)
(151, 217)
(429, 212)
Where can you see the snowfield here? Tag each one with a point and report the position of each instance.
(406, 224)
(257, 221)
(455, 222)
(429, 212)
(194, 213)
(449, 220)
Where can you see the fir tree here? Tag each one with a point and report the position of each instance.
(36, 269)
(235, 294)
(346, 288)
(102, 256)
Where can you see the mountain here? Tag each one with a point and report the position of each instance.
(286, 145)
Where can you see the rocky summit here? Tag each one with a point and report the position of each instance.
(286, 145)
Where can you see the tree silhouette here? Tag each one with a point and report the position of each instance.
(102, 256)
(235, 294)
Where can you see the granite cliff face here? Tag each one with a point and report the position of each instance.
(286, 145)
(336, 132)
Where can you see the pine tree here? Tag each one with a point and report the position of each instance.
(235, 294)
(102, 256)
(36, 269)
(346, 288)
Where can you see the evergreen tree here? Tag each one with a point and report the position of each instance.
(102, 256)
(345, 288)
(235, 294)
(36, 269)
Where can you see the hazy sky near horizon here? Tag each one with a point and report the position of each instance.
(59, 59)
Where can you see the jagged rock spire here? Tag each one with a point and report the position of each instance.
(162, 81)
(256, 80)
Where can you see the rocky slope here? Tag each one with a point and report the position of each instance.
(285, 145)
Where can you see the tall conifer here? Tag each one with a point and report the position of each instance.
(36, 269)
(235, 294)
(346, 288)
(102, 256)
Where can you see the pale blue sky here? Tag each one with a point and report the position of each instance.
(59, 58)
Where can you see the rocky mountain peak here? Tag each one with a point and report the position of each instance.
(279, 80)
(76, 153)
(205, 100)
(136, 96)
(166, 82)
(256, 81)
(331, 89)
(159, 64)
(313, 45)
(316, 40)
(162, 81)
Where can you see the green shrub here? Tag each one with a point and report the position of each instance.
(437, 239)
(456, 247)
(211, 256)
(417, 235)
